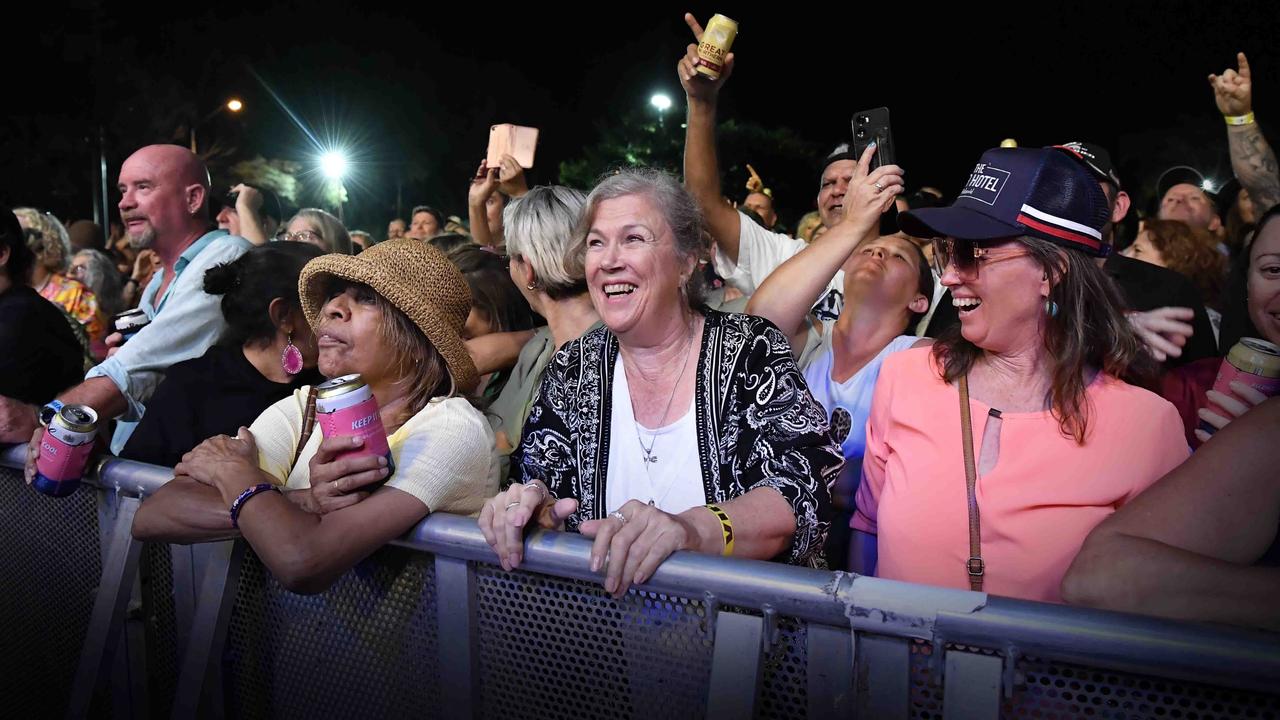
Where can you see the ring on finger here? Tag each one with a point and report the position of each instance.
(542, 492)
(619, 516)
(513, 504)
(877, 186)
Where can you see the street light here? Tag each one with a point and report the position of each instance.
(661, 101)
(333, 164)
(234, 105)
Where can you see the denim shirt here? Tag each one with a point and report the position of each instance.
(184, 323)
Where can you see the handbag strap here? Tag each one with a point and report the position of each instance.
(308, 425)
(974, 566)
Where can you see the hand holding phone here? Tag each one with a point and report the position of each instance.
(515, 140)
(873, 126)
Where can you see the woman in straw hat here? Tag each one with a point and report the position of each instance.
(392, 314)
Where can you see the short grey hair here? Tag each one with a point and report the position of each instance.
(332, 231)
(102, 277)
(539, 229)
(675, 204)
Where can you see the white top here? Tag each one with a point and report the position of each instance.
(444, 455)
(852, 395)
(760, 252)
(674, 482)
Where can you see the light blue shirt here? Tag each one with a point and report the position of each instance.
(184, 323)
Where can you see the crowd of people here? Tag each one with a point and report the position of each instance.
(1010, 392)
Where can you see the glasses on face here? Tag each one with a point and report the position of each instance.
(306, 236)
(967, 257)
(78, 271)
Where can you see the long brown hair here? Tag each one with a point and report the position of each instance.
(1089, 330)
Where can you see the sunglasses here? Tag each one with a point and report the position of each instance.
(968, 258)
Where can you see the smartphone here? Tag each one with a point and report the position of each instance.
(873, 126)
(515, 140)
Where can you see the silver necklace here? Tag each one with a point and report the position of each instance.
(648, 456)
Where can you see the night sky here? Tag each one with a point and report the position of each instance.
(413, 91)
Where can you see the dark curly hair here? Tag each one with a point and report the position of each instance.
(249, 283)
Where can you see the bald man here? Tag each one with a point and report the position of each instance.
(164, 193)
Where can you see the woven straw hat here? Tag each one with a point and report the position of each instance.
(418, 280)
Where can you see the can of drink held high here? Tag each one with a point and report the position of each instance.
(65, 449)
(714, 45)
(1255, 363)
(345, 406)
(129, 322)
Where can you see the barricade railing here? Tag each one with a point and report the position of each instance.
(431, 627)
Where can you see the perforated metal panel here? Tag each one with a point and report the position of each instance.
(52, 563)
(161, 626)
(1054, 690)
(560, 648)
(364, 648)
(784, 691)
(1058, 691)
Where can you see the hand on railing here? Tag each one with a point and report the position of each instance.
(227, 464)
(633, 541)
(504, 517)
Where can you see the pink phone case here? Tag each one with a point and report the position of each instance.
(515, 140)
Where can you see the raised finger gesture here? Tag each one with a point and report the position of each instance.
(698, 86)
(1233, 89)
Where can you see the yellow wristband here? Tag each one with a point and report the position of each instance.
(1245, 119)
(726, 527)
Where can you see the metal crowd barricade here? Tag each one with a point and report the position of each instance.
(101, 625)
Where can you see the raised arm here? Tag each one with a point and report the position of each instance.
(701, 168)
(484, 184)
(787, 294)
(1252, 159)
(1185, 548)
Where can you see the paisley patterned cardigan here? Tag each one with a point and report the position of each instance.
(758, 426)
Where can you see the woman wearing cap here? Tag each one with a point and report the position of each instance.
(673, 427)
(993, 454)
(393, 314)
(887, 285)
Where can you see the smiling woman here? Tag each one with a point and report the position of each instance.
(992, 455)
(672, 427)
(392, 315)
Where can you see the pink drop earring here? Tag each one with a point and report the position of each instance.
(291, 358)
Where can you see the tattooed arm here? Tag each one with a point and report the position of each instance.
(1252, 159)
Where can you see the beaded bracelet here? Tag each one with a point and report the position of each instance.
(726, 527)
(244, 497)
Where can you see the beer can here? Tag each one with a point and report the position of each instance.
(345, 406)
(129, 322)
(1251, 361)
(64, 450)
(714, 46)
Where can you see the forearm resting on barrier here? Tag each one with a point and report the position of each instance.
(1136, 574)
(1187, 546)
(183, 511)
(763, 525)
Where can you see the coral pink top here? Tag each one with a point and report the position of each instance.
(1037, 504)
